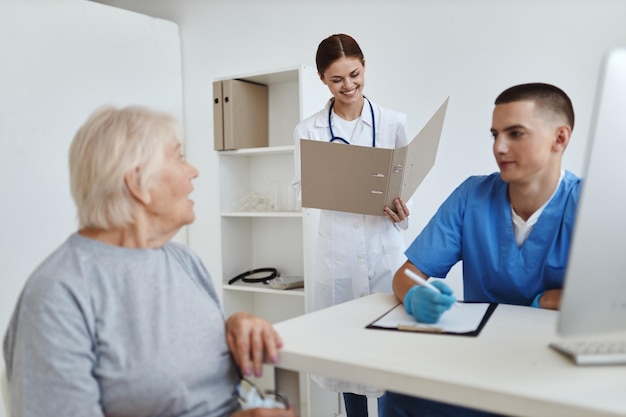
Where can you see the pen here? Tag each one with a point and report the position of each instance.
(422, 281)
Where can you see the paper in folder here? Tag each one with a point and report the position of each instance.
(362, 179)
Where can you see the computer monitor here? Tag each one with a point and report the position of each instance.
(594, 296)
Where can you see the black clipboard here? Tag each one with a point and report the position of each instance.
(433, 329)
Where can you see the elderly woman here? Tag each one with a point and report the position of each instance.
(119, 320)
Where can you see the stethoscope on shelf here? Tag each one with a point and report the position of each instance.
(330, 125)
(251, 276)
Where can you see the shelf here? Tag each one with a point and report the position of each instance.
(261, 288)
(274, 214)
(277, 76)
(269, 150)
(253, 178)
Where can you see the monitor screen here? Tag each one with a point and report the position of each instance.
(594, 296)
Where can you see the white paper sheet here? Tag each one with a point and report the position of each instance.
(461, 318)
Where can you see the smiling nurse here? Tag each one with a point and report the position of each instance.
(356, 254)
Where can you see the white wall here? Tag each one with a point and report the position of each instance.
(54, 70)
(418, 52)
(59, 60)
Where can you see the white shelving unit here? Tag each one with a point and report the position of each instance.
(255, 235)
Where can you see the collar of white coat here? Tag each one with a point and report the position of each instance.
(366, 115)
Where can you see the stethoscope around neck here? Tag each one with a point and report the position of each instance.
(330, 125)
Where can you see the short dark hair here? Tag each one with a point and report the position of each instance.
(546, 96)
(335, 47)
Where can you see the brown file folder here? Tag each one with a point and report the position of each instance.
(362, 179)
(240, 115)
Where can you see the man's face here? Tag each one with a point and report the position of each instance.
(524, 142)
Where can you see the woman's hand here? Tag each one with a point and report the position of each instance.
(251, 340)
(402, 211)
(266, 412)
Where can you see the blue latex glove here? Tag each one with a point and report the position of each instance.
(426, 305)
(535, 302)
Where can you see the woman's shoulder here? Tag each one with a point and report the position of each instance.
(387, 115)
(183, 253)
(58, 277)
(317, 119)
(189, 258)
(193, 265)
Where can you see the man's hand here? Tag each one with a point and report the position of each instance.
(427, 305)
(551, 299)
(251, 340)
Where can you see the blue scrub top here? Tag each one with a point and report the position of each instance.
(474, 225)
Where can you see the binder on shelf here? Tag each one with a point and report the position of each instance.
(240, 115)
(362, 179)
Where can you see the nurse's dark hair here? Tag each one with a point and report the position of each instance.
(334, 47)
(547, 97)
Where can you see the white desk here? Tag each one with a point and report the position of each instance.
(508, 368)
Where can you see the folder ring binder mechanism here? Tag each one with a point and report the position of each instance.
(362, 179)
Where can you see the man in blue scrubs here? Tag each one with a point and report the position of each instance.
(512, 229)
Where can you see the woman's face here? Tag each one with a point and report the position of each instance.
(345, 78)
(170, 205)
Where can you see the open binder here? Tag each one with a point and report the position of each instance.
(362, 179)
